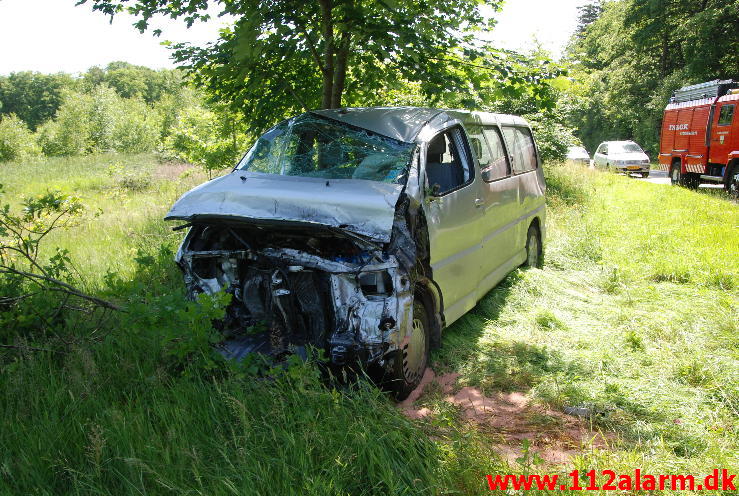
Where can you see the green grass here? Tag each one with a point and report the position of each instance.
(635, 316)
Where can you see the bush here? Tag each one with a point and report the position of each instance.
(138, 130)
(202, 136)
(70, 133)
(100, 121)
(172, 106)
(552, 137)
(16, 140)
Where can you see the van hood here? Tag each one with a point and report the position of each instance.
(366, 208)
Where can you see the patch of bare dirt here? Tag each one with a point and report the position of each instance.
(511, 418)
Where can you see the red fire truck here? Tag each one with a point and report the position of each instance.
(700, 135)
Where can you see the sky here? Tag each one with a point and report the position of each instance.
(55, 35)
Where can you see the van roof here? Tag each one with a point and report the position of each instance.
(404, 123)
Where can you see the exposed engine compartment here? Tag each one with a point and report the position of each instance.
(298, 284)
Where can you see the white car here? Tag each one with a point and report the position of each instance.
(622, 156)
(578, 155)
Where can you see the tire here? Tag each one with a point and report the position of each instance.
(645, 174)
(410, 361)
(691, 181)
(533, 247)
(732, 182)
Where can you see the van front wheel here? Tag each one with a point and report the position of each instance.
(409, 363)
(533, 247)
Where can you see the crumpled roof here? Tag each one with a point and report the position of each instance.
(400, 123)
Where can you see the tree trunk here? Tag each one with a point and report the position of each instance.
(327, 29)
(665, 55)
(342, 56)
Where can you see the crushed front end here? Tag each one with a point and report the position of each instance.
(296, 286)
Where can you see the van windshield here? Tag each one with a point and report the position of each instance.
(314, 146)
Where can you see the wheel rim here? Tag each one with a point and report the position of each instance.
(415, 352)
(533, 250)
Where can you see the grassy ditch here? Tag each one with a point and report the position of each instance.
(633, 321)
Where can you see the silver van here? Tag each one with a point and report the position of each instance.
(364, 232)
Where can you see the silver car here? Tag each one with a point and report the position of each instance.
(622, 156)
(364, 232)
(577, 155)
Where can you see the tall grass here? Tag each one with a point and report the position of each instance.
(117, 412)
(633, 317)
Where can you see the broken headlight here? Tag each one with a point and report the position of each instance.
(376, 283)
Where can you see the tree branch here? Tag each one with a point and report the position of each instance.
(300, 101)
(311, 46)
(13, 347)
(62, 286)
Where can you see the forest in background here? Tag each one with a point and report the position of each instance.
(618, 71)
(109, 380)
(121, 108)
(628, 56)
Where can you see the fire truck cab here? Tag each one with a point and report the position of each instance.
(700, 135)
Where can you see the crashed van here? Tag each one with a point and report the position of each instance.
(364, 232)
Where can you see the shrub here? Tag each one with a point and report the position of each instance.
(552, 137)
(138, 130)
(70, 133)
(202, 136)
(16, 140)
(100, 121)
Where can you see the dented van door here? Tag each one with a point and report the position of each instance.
(453, 212)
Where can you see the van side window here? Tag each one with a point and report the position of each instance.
(525, 142)
(726, 115)
(499, 166)
(478, 146)
(448, 162)
(521, 146)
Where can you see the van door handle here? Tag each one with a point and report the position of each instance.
(479, 202)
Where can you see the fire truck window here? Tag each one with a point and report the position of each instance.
(727, 113)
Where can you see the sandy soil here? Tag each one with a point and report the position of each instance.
(511, 418)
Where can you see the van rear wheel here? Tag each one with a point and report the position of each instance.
(409, 363)
(533, 247)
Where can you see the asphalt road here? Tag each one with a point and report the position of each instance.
(661, 177)
(656, 177)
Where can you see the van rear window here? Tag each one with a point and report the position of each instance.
(521, 145)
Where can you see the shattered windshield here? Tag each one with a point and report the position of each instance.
(313, 146)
